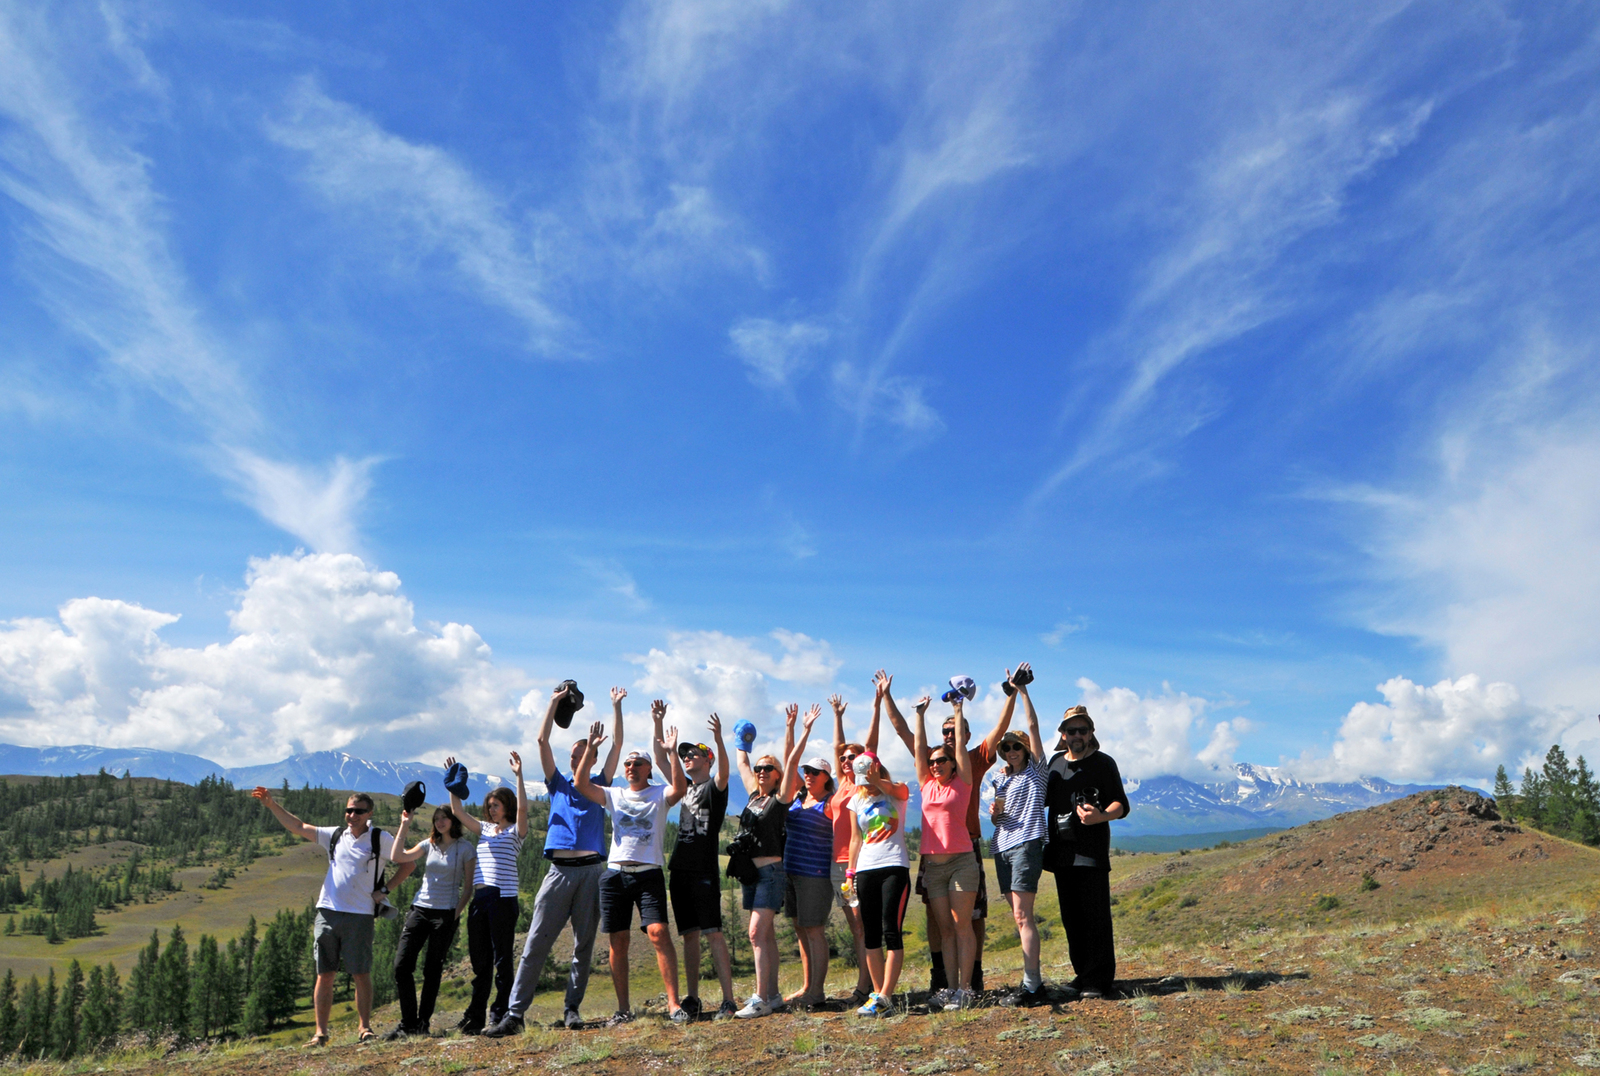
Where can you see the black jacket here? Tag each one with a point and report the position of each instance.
(1096, 780)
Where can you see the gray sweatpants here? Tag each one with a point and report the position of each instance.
(568, 893)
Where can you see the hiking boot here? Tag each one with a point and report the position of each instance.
(1093, 993)
(469, 1027)
(620, 1017)
(727, 1010)
(937, 1000)
(400, 1031)
(1026, 999)
(508, 1025)
(571, 1020)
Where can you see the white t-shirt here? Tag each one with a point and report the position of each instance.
(638, 824)
(881, 820)
(351, 872)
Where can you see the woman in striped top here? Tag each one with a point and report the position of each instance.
(808, 861)
(1019, 816)
(492, 918)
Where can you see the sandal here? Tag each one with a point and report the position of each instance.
(316, 1040)
(367, 1035)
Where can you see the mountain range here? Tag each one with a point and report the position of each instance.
(1255, 798)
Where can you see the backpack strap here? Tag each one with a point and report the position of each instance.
(333, 842)
(377, 860)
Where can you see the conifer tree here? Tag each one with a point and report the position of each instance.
(9, 1024)
(64, 1027)
(33, 1031)
(205, 985)
(139, 1003)
(1531, 798)
(1504, 798)
(171, 992)
(95, 1028)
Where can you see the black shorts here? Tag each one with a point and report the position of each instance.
(621, 890)
(696, 901)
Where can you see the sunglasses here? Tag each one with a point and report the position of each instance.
(944, 760)
(849, 756)
(636, 762)
(809, 772)
(688, 750)
(1009, 748)
(1076, 730)
(764, 769)
(358, 810)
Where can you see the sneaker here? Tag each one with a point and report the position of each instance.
(571, 1020)
(959, 999)
(727, 1010)
(620, 1017)
(400, 1031)
(691, 1005)
(680, 1015)
(777, 1004)
(756, 1006)
(469, 1027)
(1092, 993)
(507, 1025)
(877, 1005)
(1026, 999)
(937, 1000)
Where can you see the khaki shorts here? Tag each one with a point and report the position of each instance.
(838, 879)
(959, 874)
(342, 937)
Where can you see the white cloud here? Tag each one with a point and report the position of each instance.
(325, 654)
(776, 352)
(428, 200)
(1151, 735)
(1058, 634)
(316, 505)
(1455, 730)
(706, 671)
(893, 399)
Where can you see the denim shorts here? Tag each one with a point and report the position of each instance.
(1017, 869)
(769, 890)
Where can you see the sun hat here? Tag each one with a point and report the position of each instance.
(1076, 711)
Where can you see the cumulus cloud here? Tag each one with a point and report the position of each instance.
(703, 672)
(1455, 730)
(326, 653)
(1154, 735)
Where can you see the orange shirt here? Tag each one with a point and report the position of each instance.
(843, 821)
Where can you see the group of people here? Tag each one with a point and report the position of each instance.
(816, 832)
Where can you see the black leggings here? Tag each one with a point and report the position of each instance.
(882, 893)
(491, 943)
(436, 929)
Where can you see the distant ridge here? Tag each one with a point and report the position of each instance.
(1255, 798)
(329, 769)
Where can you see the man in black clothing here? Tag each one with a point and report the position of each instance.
(1085, 793)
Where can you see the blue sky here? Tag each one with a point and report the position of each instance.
(1223, 361)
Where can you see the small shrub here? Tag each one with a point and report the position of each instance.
(1368, 882)
(1327, 902)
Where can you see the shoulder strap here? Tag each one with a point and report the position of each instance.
(333, 842)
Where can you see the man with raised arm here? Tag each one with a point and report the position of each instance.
(633, 876)
(575, 846)
(696, 884)
(982, 757)
(351, 889)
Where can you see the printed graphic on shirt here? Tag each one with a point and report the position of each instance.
(878, 819)
(633, 820)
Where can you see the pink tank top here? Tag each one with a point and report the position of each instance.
(944, 817)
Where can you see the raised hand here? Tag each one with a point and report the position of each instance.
(449, 760)
(618, 694)
(1020, 687)
(791, 713)
(516, 764)
(263, 794)
(838, 704)
(715, 725)
(597, 736)
(596, 728)
(881, 682)
(669, 739)
(658, 709)
(560, 692)
(922, 703)
(812, 715)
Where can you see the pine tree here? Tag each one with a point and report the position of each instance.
(1504, 798)
(1561, 798)
(1586, 795)
(1532, 797)
(248, 951)
(205, 986)
(33, 1031)
(95, 1028)
(9, 1022)
(64, 1028)
(140, 1000)
(171, 993)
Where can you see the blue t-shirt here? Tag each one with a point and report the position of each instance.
(575, 822)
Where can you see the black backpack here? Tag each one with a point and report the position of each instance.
(377, 855)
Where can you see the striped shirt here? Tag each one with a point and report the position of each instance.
(497, 858)
(809, 851)
(1023, 819)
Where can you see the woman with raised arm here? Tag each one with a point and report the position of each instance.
(807, 862)
(880, 869)
(492, 916)
(763, 819)
(844, 757)
(950, 873)
(1020, 829)
(434, 916)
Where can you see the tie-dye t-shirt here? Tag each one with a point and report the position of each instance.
(882, 822)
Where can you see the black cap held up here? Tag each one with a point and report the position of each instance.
(570, 703)
(415, 795)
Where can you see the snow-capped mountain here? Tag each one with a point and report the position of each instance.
(1257, 797)
(84, 758)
